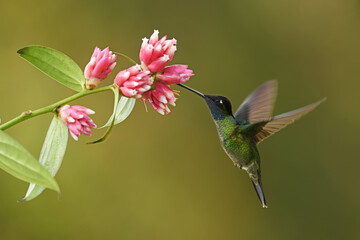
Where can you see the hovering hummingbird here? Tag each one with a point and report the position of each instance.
(252, 123)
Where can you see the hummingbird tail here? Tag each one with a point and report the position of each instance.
(259, 190)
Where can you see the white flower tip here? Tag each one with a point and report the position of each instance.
(135, 84)
(154, 37)
(133, 92)
(74, 136)
(146, 88)
(89, 111)
(158, 48)
(163, 99)
(150, 81)
(126, 75)
(165, 58)
(161, 111)
(93, 60)
(70, 120)
(112, 66)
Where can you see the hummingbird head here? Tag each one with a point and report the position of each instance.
(219, 106)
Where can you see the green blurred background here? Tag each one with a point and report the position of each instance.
(166, 177)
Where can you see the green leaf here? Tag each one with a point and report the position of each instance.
(52, 154)
(17, 161)
(123, 110)
(55, 64)
(112, 118)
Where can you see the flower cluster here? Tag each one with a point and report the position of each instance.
(77, 120)
(155, 53)
(160, 98)
(133, 82)
(100, 66)
(174, 74)
(150, 82)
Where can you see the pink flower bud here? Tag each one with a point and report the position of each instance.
(100, 66)
(77, 120)
(160, 98)
(133, 82)
(155, 54)
(174, 74)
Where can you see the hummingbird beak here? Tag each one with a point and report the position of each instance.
(259, 190)
(192, 90)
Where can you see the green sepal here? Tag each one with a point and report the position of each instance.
(51, 155)
(17, 161)
(56, 65)
(123, 110)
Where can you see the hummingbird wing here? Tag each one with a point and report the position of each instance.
(259, 104)
(268, 127)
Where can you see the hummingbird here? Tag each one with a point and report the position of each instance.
(252, 123)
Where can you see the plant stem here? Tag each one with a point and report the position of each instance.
(51, 108)
(126, 57)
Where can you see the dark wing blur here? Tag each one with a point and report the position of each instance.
(259, 104)
(268, 127)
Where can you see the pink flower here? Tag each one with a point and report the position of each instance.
(100, 66)
(133, 82)
(174, 74)
(77, 120)
(160, 98)
(155, 53)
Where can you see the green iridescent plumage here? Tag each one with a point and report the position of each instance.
(240, 133)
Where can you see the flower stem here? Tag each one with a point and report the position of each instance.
(126, 57)
(51, 108)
